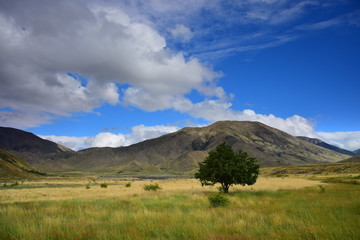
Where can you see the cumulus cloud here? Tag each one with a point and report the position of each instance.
(120, 48)
(182, 33)
(23, 119)
(346, 140)
(124, 61)
(74, 143)
(107, 139)
(216, 110)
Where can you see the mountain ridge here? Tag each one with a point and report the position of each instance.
(323, 144)
(22, 141)
(183, 149)
(180, 151)
(31, 148)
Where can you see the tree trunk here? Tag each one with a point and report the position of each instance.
(225, 187)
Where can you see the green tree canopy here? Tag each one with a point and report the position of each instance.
(226, 167)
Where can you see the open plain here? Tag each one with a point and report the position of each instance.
(276, 207)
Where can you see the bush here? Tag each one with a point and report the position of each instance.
(103, 185)
(218, 200)
(15, 184)
(87, 186)
(152, 187)
(11, 184)
(128, 184)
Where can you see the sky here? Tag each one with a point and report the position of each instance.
(112, 73)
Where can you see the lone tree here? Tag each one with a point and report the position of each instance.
(226, 167)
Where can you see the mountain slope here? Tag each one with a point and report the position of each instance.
(323, 144)
(33, 149)
(352, 159)
(21, 141)
(182, 150)
(356, 152)
(12, 166)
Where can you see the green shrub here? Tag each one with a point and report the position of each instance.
(128, 184)
(87, 186)
(220, 189)
(322, 189)
(103, 185)
(15, 184)
(218, 200)
(152, 187)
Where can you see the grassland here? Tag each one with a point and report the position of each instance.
(317, 170)
(273, 208)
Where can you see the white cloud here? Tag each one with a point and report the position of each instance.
(216, 110)
(182, 33)
(107, 139)
(120, 47)
(99, 42)
(23, 119)
(346, 140)
(74, 143)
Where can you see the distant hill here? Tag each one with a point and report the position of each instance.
(352, 159)
(12, 166)
(31, 148)
(323, 144)
(356, 152)
(323, 169)
(182, 150)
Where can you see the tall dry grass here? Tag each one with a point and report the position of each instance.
(65, 189)
(181, 211)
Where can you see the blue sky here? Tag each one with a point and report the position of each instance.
(112, 73)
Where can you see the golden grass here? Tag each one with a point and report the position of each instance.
(314, 169)
(273, 208)
(48, 189)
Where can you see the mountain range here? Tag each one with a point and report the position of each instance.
(329, 146)
(177, 152)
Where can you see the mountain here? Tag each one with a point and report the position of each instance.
(12, 166)
(326, 145)
(21, 141)
(356, 152)
(352, 159)
(182, 150)
(31, 148)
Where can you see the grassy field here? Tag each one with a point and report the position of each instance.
(273, 208)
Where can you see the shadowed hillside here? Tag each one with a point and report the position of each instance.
(357, 152)
(22, 141)
(12, 166)
(33, 149)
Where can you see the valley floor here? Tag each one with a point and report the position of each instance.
(55, 189)
(282, 207)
